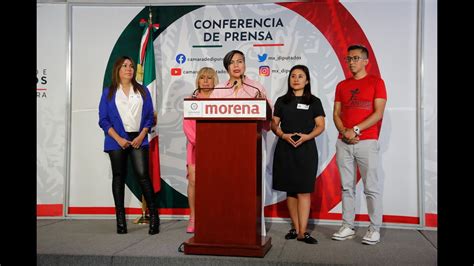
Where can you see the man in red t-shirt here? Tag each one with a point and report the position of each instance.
(358, 111)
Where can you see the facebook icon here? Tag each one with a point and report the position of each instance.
(180, 59)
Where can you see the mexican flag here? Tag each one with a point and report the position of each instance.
(147, 76)
(136, 41)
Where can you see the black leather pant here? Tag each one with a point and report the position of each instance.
(139, 158)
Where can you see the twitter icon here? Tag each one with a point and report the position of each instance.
(262, 57)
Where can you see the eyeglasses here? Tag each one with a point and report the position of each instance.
(354, 58)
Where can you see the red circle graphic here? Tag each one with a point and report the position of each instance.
(340, 28)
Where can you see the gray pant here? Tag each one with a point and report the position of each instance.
(365, 155)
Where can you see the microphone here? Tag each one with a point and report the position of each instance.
(259, 92)
(225, 94)
(226, 88)
(195, 93)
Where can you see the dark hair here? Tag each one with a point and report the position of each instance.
(228, 58)
(307, 87)
(115, 83)
(365, 52)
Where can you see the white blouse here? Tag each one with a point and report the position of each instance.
(129, 108)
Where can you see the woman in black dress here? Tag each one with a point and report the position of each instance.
(297, 119)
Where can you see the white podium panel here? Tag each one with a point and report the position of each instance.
(217, 108)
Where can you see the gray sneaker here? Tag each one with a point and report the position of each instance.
(372, 237)
(344, 233)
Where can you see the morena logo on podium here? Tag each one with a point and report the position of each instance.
(225, 108)
(231, 109)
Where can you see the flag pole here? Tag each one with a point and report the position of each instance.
(144, 219)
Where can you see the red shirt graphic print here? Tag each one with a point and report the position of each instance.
(357, 102)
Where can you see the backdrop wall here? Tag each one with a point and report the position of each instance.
(190, 37)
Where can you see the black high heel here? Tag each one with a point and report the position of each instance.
(308, 239)
(291, 234)
(154, 222)
(149, 195)
(121, 221)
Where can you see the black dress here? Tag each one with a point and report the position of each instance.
(295, 169)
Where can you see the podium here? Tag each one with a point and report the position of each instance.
(228, 195)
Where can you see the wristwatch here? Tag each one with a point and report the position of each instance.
(356, 130)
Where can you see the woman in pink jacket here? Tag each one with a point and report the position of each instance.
(206, 80)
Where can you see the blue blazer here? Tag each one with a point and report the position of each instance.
(110, 117)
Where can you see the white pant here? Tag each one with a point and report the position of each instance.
(364, 155)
